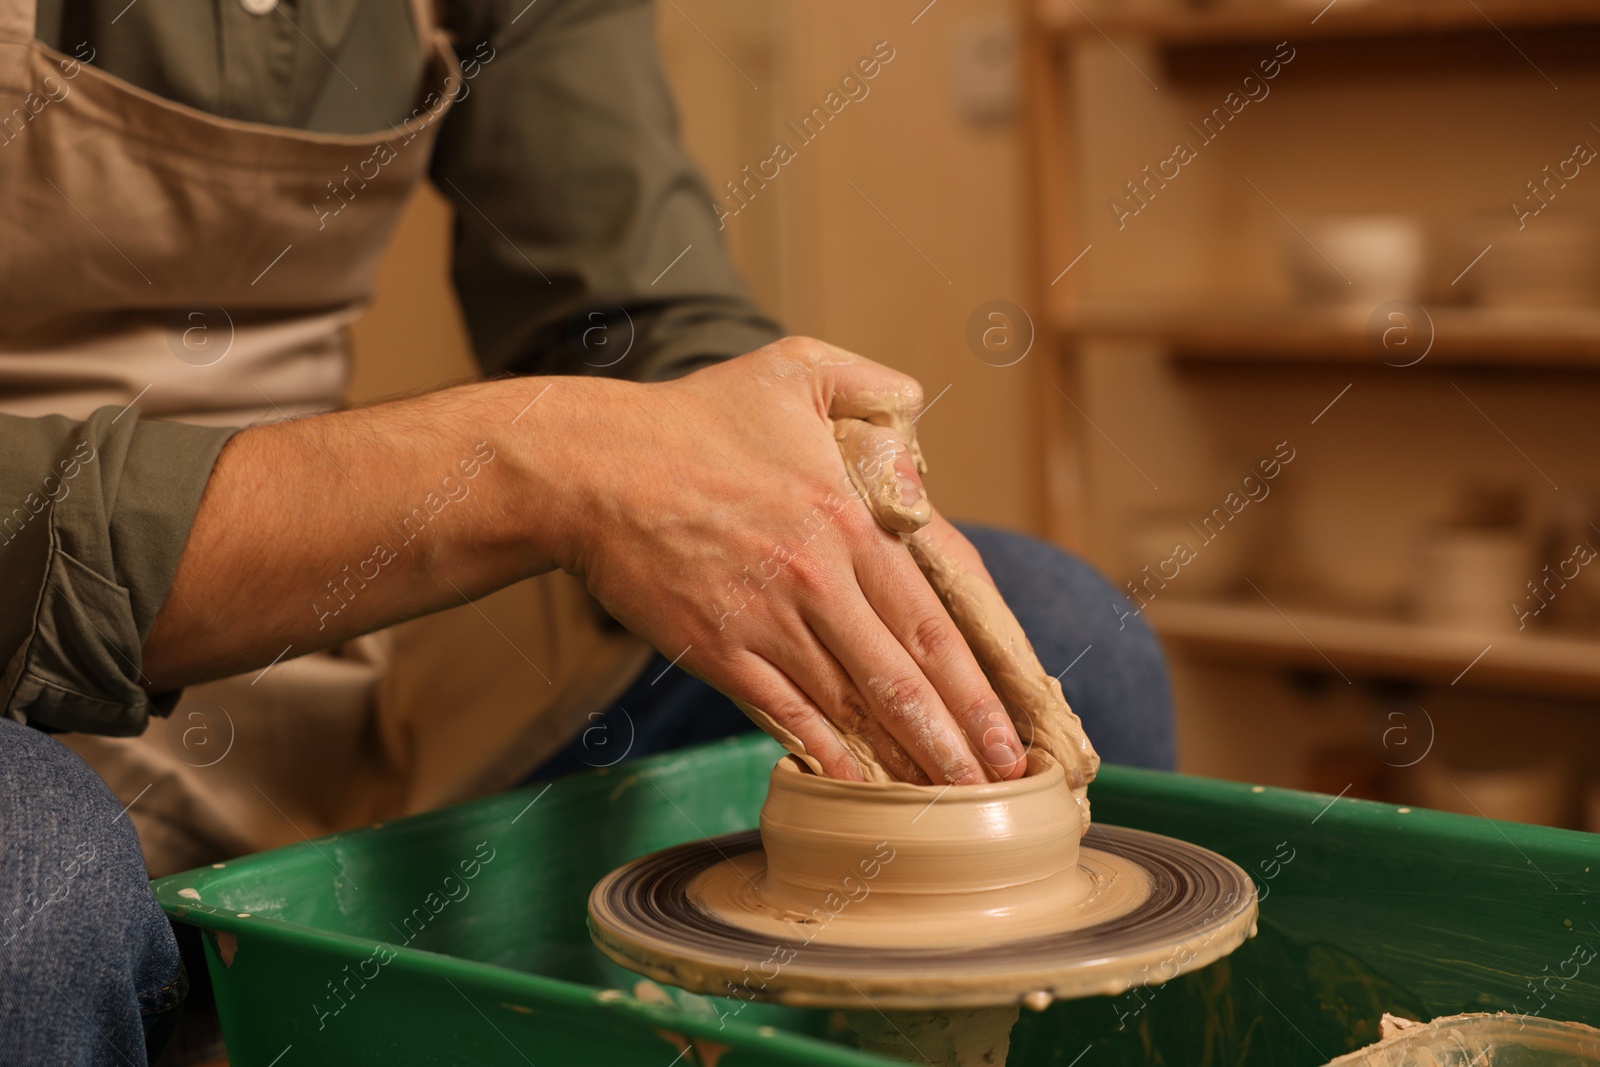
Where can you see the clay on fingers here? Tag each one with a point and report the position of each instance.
(1034, 700)
(872, 770)
(871, 455)
(1038, 708)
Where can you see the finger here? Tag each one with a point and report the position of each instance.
(851, 386)
(773, 702)
(941, 540)
(884, 473)
(814, 670)
(944, 537)
(909, 607)
(898, 694)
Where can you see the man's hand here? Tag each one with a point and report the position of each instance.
(718, 523)
(712, 515)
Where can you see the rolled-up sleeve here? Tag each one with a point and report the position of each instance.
(583, 231)
(93, 518)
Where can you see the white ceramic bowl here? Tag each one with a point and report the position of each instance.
(1358, 260)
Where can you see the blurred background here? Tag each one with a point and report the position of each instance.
(1285, 314)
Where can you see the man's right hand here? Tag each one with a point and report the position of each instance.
(717, 522)
(711, 515)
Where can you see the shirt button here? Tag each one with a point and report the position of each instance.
(258, 7)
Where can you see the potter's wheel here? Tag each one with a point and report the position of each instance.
(1199, 908)
(923, 928)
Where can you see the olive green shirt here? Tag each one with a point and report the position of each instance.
(566, 138)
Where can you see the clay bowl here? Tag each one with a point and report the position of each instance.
(905, 897)
(904, 864)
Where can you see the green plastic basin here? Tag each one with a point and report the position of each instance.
(459, 936)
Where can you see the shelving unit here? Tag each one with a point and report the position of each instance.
(1175, 353)
(1473, 336)
(1226, 24)
(1318, 640)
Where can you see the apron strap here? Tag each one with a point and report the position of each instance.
(18, 20)
(423, 13)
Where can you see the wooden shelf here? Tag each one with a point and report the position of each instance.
(1299, 637)
(1384, 39)
(1390, 106)
(1530, 338)
(1345, 18)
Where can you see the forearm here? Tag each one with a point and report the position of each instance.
(711, 515)
(317, 530)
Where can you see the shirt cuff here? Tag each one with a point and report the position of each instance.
(703, 347)
(95, 562)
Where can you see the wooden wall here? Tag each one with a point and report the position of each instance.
(883, 235)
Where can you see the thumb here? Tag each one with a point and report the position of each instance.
(884, 472)
(852, 387)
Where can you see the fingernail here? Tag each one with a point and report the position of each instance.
(910, 485)
(1002, 757)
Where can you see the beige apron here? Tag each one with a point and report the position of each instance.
(152, 252)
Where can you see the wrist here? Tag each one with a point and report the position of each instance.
(552, 437)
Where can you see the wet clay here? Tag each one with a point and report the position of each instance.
(870, 453)
(885, 866)
(899, 897)
(872, 443)
(1031, 697)
(1477, 1038)
(875, 436)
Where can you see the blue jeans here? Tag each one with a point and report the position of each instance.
(1113, 674)
(89, 969)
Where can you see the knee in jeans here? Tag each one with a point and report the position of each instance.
(1138, 642)
(84, 945)
(65, 837)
